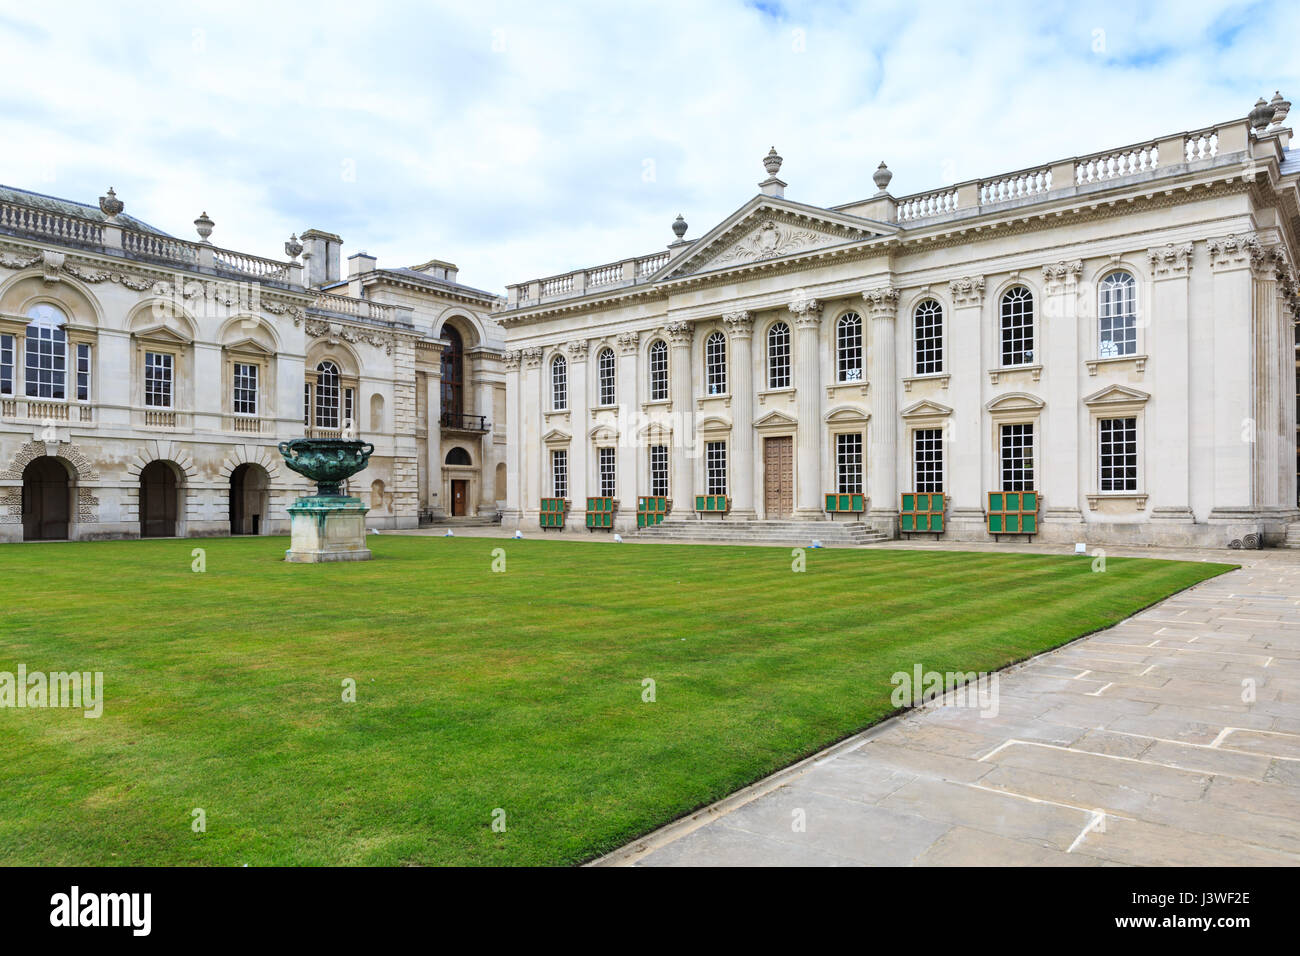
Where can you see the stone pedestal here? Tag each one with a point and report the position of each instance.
(328, 528)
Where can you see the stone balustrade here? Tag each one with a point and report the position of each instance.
(40, 222)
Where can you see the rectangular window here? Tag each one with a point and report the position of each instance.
(928, 338)
(157, 380)
(47, 358)
(659, 470)
(658, 372)
(927, 459)
(560, 473)
(83, 372)
(1117, 454)
(607, 466)
(848, 463)
(715, 467)
(6, 364)
(1018, 457)
(349, 419)
(306, 404)
(245, 396)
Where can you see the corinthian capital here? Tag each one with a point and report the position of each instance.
(968, 290)
(807, 312)
(1239, 250)
(628, 342)
(532, 356)
(578, 350)
(680, 333)
(881, 303)
(1063, 271)
(738, 323)
(510, 358)
(1170, 259)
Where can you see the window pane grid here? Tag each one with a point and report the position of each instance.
(1018, 457)
(928, 338)
(559, 473)
(157, 380)
(6, 364)
(848, 463)
(715, 467)
(659, 470)
(245, 395)
(848, 347)
(605, 374)
(1117, 454)
(658, 372)
(559, 386)
(715, 364)
(1017, 327)
(47, 356)
(1117, 316)
(327, 395)
(778, 356)
(83, 373)
(927, 459)
(607, 467)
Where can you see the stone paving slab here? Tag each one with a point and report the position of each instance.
(1138, 745)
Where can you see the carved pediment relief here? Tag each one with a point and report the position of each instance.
(556, 437)
(767, 230)
(775, 420)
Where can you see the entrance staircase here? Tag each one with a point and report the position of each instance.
(786, 532)
(474, 521)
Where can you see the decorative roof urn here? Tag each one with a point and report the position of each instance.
(1259, 117)
(772, 162)
(293, 248)
(204, 226)
(679, 227)
(110, 205)
(1280, 107)
(882, 176)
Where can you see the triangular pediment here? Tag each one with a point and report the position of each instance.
(556, 437)
(925, 409)
(249, 345)
(775, 420)
(161, 333)
(770, 228)
(1116, 395)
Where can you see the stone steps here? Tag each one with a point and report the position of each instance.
(841, 534)
(1292, 536)
(474, 521)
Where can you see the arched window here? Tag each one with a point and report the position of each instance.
(458, 456)
(559, 384)
(658, 371)
(778, 356)
(848, 347)
(606, 394)
(453, 371)
(1116, 316)
(47, 353)
(1017, 326)
(715, 364)
(927, 337)
(327, 395)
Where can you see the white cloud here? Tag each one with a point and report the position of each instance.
(514, 139)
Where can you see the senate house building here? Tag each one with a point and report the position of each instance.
(1094, 349)
(146, 380)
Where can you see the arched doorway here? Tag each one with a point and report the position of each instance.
(159, 500)
(47, 500)
(458, 476)
(249, 499)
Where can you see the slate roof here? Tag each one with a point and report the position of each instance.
(67, 207)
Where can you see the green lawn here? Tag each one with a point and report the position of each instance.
(475, 690)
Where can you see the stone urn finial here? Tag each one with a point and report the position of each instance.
(204, 226)
(1280, 107)
(679, 227)
(1259, 117)
(293, 248)
(772, 162)
(882, 176)
(110, 205)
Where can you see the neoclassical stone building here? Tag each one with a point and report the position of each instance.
(1113, 332)
(145, 380)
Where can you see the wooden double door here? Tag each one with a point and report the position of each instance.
(778, 477)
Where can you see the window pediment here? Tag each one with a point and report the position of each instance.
(162, 334)
(1116, 395)
(558, 437)
(846, 415)
(775, 420)
(1015, 402)
(925, 409)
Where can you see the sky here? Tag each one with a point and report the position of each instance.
(521, 140)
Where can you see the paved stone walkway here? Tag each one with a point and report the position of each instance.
(1132, 746)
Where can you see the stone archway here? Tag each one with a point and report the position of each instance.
(160, 493)
(46, 500)
(175, 458)
(249, 499)
(83, 506)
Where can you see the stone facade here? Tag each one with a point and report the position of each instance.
(1113, 331)
(161, 350)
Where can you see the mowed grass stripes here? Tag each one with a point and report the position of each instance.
(478, 693)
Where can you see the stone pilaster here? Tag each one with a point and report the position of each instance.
(807, 314)
(1058, 330)
(629, 344)
(681, 336)
(740, 334)
(1169, 442)
(579, 417)
(1236, 261)
(533, 462)
(882, 456)
(514, 429)
(965, 439)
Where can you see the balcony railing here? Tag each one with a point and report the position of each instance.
(460, 422)
(36, 410)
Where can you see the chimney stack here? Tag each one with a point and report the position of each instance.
(322, 253)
